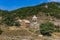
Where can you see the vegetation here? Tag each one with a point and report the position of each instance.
(57, 29)
(47, 28)
(8, 17)
(0, 31)
(52, 10)
(17, 24)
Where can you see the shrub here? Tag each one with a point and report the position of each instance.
(57, 29)
(47, 28)
(17, 24)
(0, 31)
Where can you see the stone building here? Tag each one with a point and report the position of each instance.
(34, 22)
(24, 22)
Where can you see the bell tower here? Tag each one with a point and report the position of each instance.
(34, 19)
(34, 22)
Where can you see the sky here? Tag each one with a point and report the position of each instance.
(14, 4)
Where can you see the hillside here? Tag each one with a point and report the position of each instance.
(52, 8)
(49, 9)
(45, 29)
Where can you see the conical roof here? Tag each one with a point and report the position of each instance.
(34, 16)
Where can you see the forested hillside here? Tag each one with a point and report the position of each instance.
(51, 8)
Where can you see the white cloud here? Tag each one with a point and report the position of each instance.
(53, 0)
